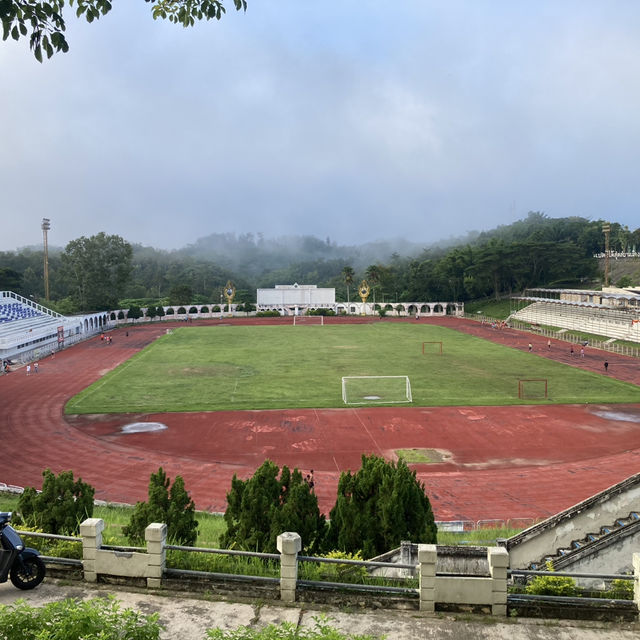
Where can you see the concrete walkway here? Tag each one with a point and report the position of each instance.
(187, 617)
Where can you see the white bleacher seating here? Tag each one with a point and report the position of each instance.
(605, 322)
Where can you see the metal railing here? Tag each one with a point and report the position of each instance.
(332, 585)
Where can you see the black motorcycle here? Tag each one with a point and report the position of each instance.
(22, 564)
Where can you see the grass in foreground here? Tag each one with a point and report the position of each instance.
(211, 526)
(244, 368)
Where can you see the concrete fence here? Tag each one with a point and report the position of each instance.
(488, 590)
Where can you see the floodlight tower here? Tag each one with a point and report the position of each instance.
(46, 225)
(606, 229)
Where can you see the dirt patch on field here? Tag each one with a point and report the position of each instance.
(424, 456)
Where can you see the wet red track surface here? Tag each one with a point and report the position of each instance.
(496, 462)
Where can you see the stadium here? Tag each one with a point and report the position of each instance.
(514, 460)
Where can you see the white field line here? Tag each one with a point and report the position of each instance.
(364, 426)
(235, 387)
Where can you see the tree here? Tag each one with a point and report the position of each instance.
(98, 269)
(134, 312)
(264, 506)
(373, 276)
(46, 20)
(378, 507)
(180, 294)
(62, 504)
(347, 275)
(172, 506)
(10, 280)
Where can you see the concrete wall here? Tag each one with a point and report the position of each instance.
(488, 590)
(612, 554)
(544, 538)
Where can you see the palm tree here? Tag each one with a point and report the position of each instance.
(347, 274)
(373, 276)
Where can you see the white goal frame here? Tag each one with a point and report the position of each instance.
(305, 320)
(408, 395)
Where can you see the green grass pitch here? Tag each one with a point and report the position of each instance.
(278, 367)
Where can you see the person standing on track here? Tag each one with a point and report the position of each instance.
(606, 366)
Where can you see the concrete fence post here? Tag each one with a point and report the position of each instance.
(91, 531)
(636, 582)
(289, 545)
(498, 558)
(427, 558)
(156, 537)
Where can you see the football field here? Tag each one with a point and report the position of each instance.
(211, 368)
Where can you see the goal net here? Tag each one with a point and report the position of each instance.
(376, 389)
(429, 348)
(532, 389)
(310, 320)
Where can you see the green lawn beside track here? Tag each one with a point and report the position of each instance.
(277, 367)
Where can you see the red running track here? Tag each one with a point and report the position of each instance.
(496, 462)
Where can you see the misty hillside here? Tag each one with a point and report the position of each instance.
(534, 251)
(252, 255)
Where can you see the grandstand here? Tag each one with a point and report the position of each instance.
(604, 313)
(28, 330)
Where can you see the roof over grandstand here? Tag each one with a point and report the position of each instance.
(630, 295)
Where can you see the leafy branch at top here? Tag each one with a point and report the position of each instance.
(46, 24)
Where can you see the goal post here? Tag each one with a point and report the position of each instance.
(376, 389)
(429, 348)
(308, 320)
(533, 389)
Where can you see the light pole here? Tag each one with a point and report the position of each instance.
(606, 229)
(46, 225)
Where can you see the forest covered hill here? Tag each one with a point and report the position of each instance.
(534, 251)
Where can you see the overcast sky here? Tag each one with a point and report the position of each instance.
(420, 119)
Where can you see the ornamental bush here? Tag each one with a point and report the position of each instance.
(172, 506)
(552, 586)
(378, 507)
(264, 506)
(61, 506)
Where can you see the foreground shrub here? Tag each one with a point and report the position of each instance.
(621, 590)
(379, 506)
(321, 630)
(270, 502)
(61, 506)
(171, 506)
(72, 620)
(552, 586)
(49, 547)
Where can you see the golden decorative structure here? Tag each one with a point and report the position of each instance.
(363, 291)
(229, 293)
